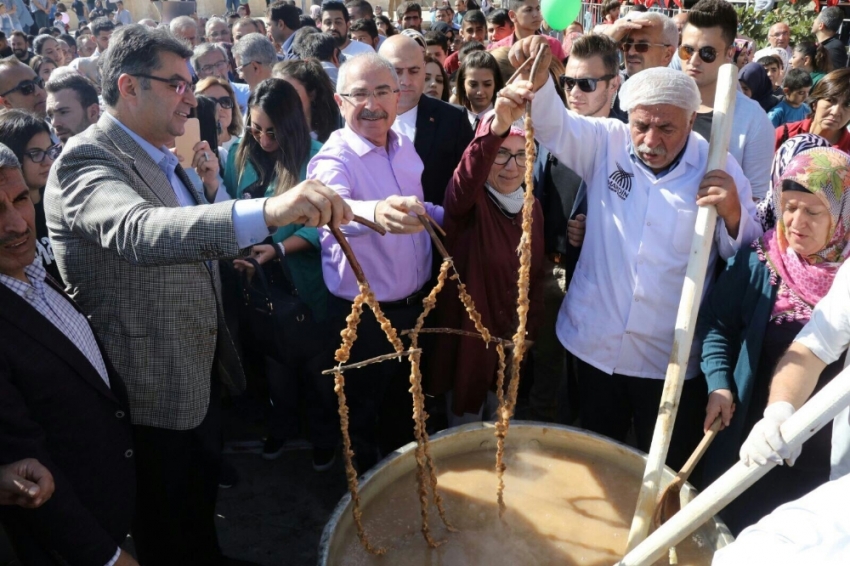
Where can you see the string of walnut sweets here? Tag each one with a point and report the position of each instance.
(508, 404)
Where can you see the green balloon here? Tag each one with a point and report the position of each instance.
(560, 13)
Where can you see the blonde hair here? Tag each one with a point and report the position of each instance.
(235, 128)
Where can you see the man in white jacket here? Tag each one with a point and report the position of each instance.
(645, 182)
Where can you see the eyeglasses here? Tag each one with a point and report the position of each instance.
(259, 133)
(221, 33)
(504, 156)
(27, 87)
(584, 85)
(240, 67)
(707, 53)
(209, 69)
(360, 96)
(225, 102)
(639, 47)
(38, 155)
(179, 86)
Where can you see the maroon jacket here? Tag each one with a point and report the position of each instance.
(483, 242)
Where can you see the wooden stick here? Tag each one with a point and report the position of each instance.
(423, 218)
(721, 127)
(519, 70)
(814, 415)
(371, 361)
(349, 255)
(506, 343)
(436, 226)
(369, 224)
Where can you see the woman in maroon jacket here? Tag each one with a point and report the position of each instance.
(483, 226)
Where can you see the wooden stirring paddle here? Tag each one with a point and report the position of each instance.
(669, 503)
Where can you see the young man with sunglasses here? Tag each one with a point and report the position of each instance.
(590, 84)
(123, 214)
(645, 183)
(708, 41)
(21, 88)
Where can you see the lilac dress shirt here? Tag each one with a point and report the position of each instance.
(396, 265)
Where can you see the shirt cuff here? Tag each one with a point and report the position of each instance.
(114, 557)
(249, 222)
(436, 212)
(364, 208)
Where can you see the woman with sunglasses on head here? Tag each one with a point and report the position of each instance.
(29, 139)
(270, 159)
(316, 92)
(830, 103)
(483, 228)
(229, 117)
(478, 81)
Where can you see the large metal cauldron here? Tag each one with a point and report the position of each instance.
(476, 436)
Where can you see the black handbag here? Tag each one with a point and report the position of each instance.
(274, 316)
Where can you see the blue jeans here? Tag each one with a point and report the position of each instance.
(231, 5)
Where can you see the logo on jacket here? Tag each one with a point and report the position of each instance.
(620, 182)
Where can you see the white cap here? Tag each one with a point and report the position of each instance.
(660, 85)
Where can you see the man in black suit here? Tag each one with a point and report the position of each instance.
(440, 131)
(61, 403)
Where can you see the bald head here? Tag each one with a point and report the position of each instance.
(779, 35)
(406, 57)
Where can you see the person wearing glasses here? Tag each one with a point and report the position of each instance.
(483, 202)
(217, 31)
(270, 159)
(255, 56)
(708, 41)
(29, 139)
(645, 183)
(210, 60)
(229, 115)
(122, 215)
(779, 35)
(379, 173)
(21, 87)
(72, 104)
(590, 84)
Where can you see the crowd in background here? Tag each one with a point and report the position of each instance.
(399, 115)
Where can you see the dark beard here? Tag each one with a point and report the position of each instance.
(340, 41)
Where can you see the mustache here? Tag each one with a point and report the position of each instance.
(646, 150)
(11, 238)
(369, 115)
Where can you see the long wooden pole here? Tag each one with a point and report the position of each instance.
(814, 415)
(721, 128)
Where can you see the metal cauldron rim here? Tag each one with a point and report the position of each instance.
(341, 507)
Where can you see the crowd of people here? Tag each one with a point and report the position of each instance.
(127, 257)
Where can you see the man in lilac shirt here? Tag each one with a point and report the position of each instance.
(378, 173)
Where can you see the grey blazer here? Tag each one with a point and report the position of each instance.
(135, 262)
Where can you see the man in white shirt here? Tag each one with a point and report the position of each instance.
(122, 15)
(336, 21)
(645, 182)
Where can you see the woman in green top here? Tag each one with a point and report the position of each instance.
(271, 159)
(813, 59)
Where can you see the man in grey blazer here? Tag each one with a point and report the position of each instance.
(136, 253)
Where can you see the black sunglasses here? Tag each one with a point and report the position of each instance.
(225, 102)
(707, 53)
(584, 85)
(641, 47)
(26, 87)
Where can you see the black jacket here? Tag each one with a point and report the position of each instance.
(55, 407)
(442, 134)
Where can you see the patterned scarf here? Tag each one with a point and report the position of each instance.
(825, 172)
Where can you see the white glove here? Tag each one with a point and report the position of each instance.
(765, 442)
